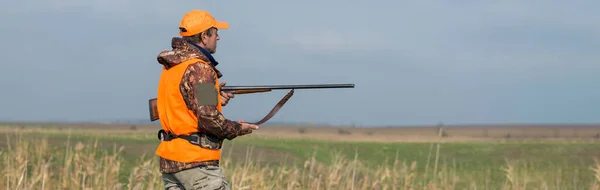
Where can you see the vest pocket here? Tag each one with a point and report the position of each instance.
(210, 142)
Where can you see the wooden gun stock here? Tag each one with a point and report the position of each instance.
(247, 91)
(153, 109)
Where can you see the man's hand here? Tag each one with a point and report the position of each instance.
(225, 96)
(246, 127)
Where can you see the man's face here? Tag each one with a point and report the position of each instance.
(210, 42)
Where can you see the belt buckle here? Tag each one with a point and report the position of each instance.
(197, 138)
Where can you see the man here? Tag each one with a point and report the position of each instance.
(189, 104)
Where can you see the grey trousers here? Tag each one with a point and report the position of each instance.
(204, 177)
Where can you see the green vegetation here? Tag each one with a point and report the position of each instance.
(74, 159)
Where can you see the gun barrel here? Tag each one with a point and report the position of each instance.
(275, 87)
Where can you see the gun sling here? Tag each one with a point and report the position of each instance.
(275, 108)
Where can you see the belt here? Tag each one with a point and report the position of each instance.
(209, 141)
(164, 136)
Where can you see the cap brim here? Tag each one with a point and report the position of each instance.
(221, 25)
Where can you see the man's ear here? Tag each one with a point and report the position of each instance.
(202, 37)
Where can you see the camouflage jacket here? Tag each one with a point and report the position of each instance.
(210, 120)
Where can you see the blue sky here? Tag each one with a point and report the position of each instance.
(413, 62)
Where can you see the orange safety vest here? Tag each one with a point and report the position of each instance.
(175, 117)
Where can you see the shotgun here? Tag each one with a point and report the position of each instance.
(259, 89)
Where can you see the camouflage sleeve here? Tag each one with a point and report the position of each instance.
(200, 94)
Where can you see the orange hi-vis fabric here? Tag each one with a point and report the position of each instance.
(197, 21)
(175, 117)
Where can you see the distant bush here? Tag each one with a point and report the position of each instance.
(343, 132)
(301, 130)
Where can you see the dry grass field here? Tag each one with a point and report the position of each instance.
(111, 156)
(382, 134)
(432, 133)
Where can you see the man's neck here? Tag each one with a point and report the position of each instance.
(206, 53)
(201, 45)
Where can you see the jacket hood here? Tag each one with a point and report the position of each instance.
(181, 52)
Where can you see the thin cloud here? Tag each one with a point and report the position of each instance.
(318, 40)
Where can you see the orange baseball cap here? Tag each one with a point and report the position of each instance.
(197, 21)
